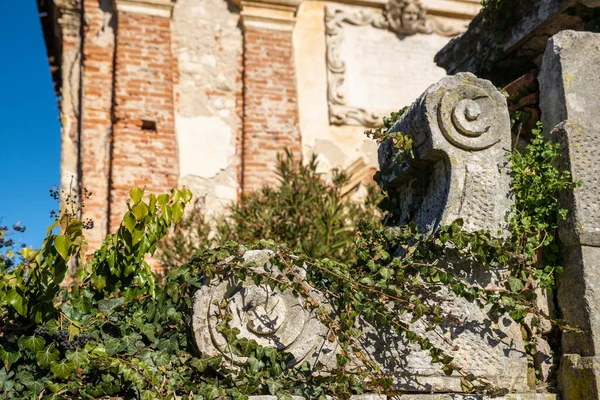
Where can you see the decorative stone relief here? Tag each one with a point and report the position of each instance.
(402, 18)
(272, 318)
(461, 131)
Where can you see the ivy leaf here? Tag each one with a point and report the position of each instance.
(113, 346)
(77, 357)
(108, 306)
(386, 273)
(62, 244)
(199, 364)
(27, 379)
(47, 356)
(515, 284)
(17, 301)
(34, 343)
(274, 386)
(62, 370)
(8, 357)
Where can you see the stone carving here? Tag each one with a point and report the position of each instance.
(461, 131)
(280, 320)
(408, 17)
(404, 18)
(270, 317)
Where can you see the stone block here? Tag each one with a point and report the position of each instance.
(578, 377)
(569, 85)
(516, 47)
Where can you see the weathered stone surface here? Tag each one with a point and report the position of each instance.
(578, 377)
(493, 350)
(455, 396)
(445, 396)
(543, 358)
(515, 48)
(569, 87)
(270, 317)
(461, 131)
(488, 349)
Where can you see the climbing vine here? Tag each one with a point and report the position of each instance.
(115, 331)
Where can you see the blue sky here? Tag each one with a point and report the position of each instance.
(30, 128)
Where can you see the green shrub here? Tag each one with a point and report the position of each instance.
(304, 212)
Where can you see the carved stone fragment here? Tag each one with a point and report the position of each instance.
(461, 133)
(271, 317)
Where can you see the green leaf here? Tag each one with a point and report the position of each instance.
(62, 370)
(8, 357)
(140, 210)
(98, 281)
(27, 379)
(34, 343)
(386, 273)
(17, 301)
(62, 244)
(136, 194)
(177, 211)
(108, 306)
(78, 357)
(113, 346)
(515, 284)
(163, 199)
(199, 364)
(129, 221)
(47, 356)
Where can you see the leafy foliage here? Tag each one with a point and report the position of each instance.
(537, 184)
(115, 331)
(305, 212)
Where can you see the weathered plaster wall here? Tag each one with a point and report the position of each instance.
(337, 146)
(208, 46)
(341, 146)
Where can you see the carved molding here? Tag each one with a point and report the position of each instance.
(269, 14)
(155, 8)
(404, 17)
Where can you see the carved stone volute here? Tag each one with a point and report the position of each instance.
(461, 132)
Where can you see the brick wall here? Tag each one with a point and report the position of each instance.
(270, 120)
(144, 148)
(96, 119)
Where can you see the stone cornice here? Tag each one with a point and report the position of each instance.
(461, 9)
(268, 14)
(155, 8)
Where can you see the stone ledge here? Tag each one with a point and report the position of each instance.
(155, 8)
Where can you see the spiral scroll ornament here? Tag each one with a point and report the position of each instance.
(466, 116)
(273, 318)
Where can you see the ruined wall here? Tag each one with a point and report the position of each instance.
(337, 146)
(208, 48)
(342, 145)
(144, 145)
(96, 112)
(69, 21)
